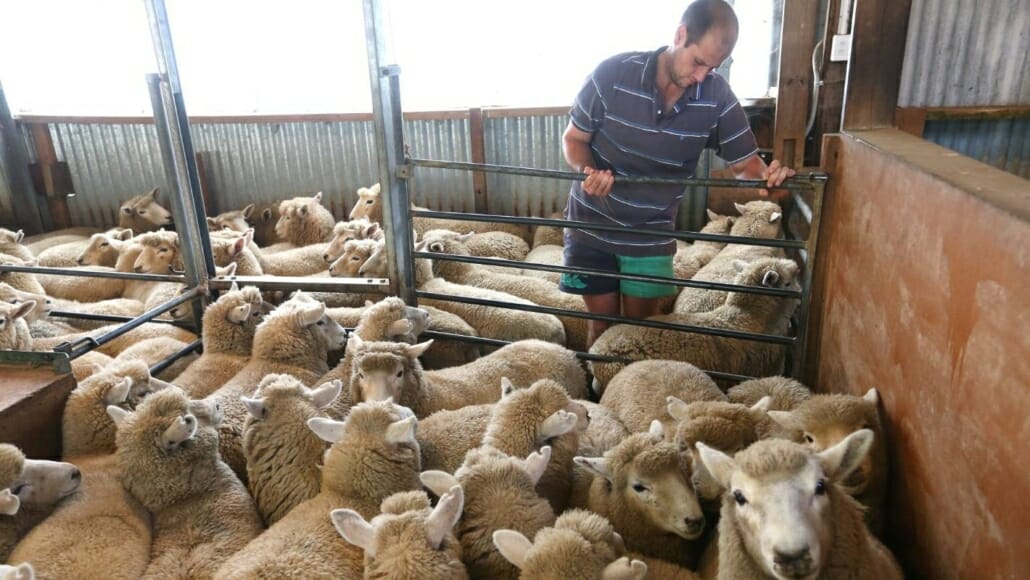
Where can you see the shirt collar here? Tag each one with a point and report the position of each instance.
(693, 93)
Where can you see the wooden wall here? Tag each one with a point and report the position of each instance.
(923, 291)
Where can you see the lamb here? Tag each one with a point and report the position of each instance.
(263, 220)
(373, 456)
(343, 232)
(34, 491)
(785, 393)
(799, 522)
(368, 205)
(303, 221)
(300, 261)
(549, 235)
(639, 393)
(71, 254)
(11, 295)
(40, 242)
(11, 244)
(758, 219)
(744, 312)
(12, 463)
(547, 254)
(235, 220)
(143, 213)
(689, 260)
(499, 245)
(643, 487)
(279, 412)
(23, 281)
(228, 334)
(155, 350)
(580, 546)
(825, 420)
(230, 248)
(159, 253)
(14, 330)
(103, 249)
(408, 540)
(355, 254)
(499, 493)
(604, 431)
(84, 290)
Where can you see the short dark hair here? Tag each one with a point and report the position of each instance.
(703, 15)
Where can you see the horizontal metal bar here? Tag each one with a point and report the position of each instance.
(770, 338)
(112, 318)
(59, 360)
(798, 182)
(84, 273)
(154, 370)
(688, 236)
(81, 346)
(591, 272)
(304, 283)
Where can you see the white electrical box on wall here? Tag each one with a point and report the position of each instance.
(840, 48)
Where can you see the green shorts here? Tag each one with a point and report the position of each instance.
(582, 256)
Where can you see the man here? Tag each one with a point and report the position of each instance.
(650, 114)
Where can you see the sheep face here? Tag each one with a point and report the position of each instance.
(293, 213)
(144, 209)
(101, 251)
(367, 205)
(44, 483)
(232, 220)
(327, 330)
(376, 266)
(11, 316)
(226, 245)
(159, 254)
(355, 254)
(13, 296)
(344, 232)
(758, 219)
(378, 376)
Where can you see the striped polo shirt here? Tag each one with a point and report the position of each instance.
(621, 107)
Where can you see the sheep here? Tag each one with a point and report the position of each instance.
(580, 546)
(279, 412)
(549, 235)
(689, 260)
(11, 244)
(825, 420)
(123, 342)
(11, 295)
(235, 220)
(784, 513)
(12, 462)
(355, 254)
(228, 334)
(643, 487)
(343, 232)
(263, 220)
(371, 369)
(638, 393)
(85, 289)
(373, 456)
(604, 431)
(744, 312)
(499, 245)
(143, 213)
(303, 221)
(24, 281)
(786, 393)
(535, 290)
(368, 205)
(408, 540)
(547, 254)
(40, 242)
(23, 571)
(300, 261)
(155, 350)
(499, 493)
(758, 219)
(103, 249)
(160, 253)
(14, 331)
(32, 495)
(168, 460)
(449, 353)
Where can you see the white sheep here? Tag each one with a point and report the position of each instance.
(549, 235)
(32, 494)
(785, 393)
(343, 232)
(604, 431)
(408, 539)
(785, 515)
(236, 249)
(143, 213)
(549, 254)
(639, 393)
(303, 221)
(11, 244)
(24, 281)
(299, 261)
(235, 220)
(355, 254)
(97, 248)
(691, 258)
(368, 205)
(14, 330)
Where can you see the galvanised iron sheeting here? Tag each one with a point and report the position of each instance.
(1003, 143)
(441, 189)
(966, 52)
(528, 141)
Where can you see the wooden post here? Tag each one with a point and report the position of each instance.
(795, 85)
(911, 120)
(477, 144)
(56, 183)
(874, 71)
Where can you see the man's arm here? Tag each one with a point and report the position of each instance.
(753, 167)
(576, 146)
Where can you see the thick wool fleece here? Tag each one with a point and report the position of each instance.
(604, 432)
(301, 261)
(853, 552)
(154, 350)
(553, 255)
(449, 353)
(549, 235)
(12, 461)
(579, 546)
(638, 394)
(446, 436)
(746, 312)
(228, 340)
(303, 221)
(23, 281)
(423, 225)
(690, 259)
(785, 393)
(498, 245)
(86, 428)
(361, 470)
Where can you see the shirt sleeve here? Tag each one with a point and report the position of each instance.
(588, 109)
(731, 137)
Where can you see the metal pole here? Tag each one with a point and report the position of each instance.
(800, 348)
(389, 130)
(14, 160)
(87, 273)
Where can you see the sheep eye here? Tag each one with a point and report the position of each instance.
(18, 488)
(142, 212)
(820, 487)
(104, 244)
(320, 323)
(354, 259)
(368, 202)
(162, 250)
(126, 210)
(361, 376)
(639, 488)
(400, 374)
(739, 497)
(809, 438)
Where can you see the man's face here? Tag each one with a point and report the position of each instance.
(691, 63)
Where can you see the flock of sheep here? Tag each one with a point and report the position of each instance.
(292, 447)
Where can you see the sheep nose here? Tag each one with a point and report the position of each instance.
(790, 558)
(695, 525)
(138, 269)
(76, 474)
(78, 261)
(325, 257)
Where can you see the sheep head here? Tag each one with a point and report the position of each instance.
(103, 248)
(368, 205)
(159, 254)
(44, 483)
(381, 371)
(758, 219)
(143, 213)
(13, 296)
(355, 254)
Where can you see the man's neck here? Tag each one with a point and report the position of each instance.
(663, 82)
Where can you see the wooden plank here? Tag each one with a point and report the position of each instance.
(478, 146)
(795, 84)
(978, 113)
(56, 195)
(31, 406)
(874, 71)
(911, 120)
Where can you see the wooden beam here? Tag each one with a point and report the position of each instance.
(478, 146)
(874, 71)
(911, 120)
(795, 84)
(55, 180)
(978, 113)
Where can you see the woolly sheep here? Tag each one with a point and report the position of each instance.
(103, 249)
(231, 248)
(355, 254)
(742, 311)
(785, 393)
(639, 393)
(492, 244)
(604, 431)
(160, 253)
(547, 254)
(785, 515)
(549, 235)
(168, 460)
(499, 493)
(11, 244)
(368, 205)
(300, 261)
(117, 345)
(758, 219)
(263, 220)
(14, 331)
(12, 462)
(84, 289)
(279, 413)
(32, 495)
(40, 242)
(824, 421)
(155, 350)
(408, 539)
(373, 456)
(235, 220)
(112, 307)
(24, 281)
(643, 487)
(449, 353)
(343, 232)
(143, 213)
(303, 221)
(689, 260)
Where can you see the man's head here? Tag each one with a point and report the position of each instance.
(705, 37)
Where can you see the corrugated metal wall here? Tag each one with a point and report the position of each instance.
(1004, 144)
(527, 141)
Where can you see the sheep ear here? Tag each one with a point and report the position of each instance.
(712, 215)
(559, 423)
(117, 414)
(763, 404)
(741, 208)
(436, 247)
(239, 244)
(513, 546)
(23, 309)
(438, 482)
(247, 211)
(327, 429)
(240, 314)
(152, 194)
(581, 413)
(234, 287)
(353, 528)
(124, 235)
(739, 265)
(872, 396)
(23, 571)
(207, 411)
(117, 394)
(9, 503)
(506, 387)
(417, 350)
(618, 543)
(774, 217)
(212, 223)
(311, 314)
(401, 432)
(783, 418)
(536, 463)
(324, 396)
(625, 569)
(354, 342)
(368, 303)
(19, 236)
(598, 465)
(371, 229)
(718, 464)
(376, 189)
(181, 430)
(229, 272)
(771, 278)
(421, 246)
(656, 430)
(840, 460)
(256, 407)
(399, 328)
(444, 516)
(676, 407)
(465, 237)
